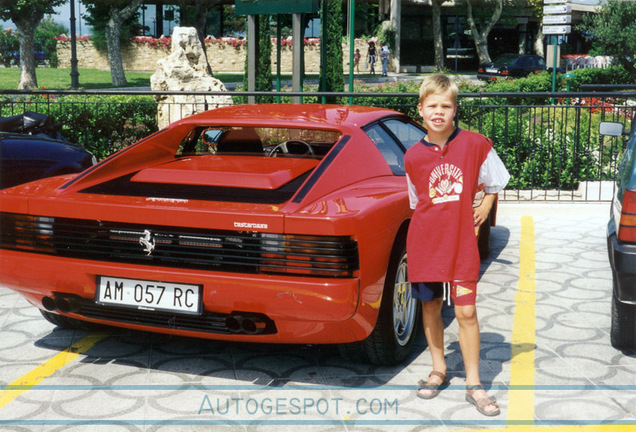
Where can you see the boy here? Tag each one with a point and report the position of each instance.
(443, 172)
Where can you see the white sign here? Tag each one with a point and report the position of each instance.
(149, 295)
(552, 30)
(557, 19)
(555, 10)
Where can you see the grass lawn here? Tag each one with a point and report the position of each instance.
(60, 79)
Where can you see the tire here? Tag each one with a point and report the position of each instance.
(70, 323)
(623, 328)
(399, 318)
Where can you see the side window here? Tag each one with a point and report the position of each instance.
(408, 133)
(392, 152)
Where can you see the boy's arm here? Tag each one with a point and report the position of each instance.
(494, 176)
(413, 199)
(480, 213)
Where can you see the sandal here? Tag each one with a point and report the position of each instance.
(433, 388)
(483, 402)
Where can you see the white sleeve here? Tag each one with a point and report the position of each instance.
(413, 200)
(493, 173)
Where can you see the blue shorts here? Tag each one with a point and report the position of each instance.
(463, 293)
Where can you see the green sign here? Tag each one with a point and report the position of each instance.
(273, 7)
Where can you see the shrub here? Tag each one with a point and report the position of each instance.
(539, 146)
(112, 124)
(610, 75)
(9, 46)
(45, 35)
(406, 105)
(102, 128)
(540, 82)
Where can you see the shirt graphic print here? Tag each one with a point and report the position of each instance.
(445, 184)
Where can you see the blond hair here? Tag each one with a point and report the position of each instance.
(438, 84)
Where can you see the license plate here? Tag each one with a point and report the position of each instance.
(492, 70)
(149, 295)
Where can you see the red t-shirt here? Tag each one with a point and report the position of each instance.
(441, 243)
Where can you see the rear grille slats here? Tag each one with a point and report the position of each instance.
(232, 251)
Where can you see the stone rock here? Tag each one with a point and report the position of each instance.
(185, 70)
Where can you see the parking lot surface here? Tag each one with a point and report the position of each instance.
(544, 309)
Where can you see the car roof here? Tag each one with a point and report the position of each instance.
(293, 115)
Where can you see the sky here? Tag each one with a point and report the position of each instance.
(63, 16)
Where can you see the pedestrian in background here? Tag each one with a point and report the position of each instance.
(384, 57)
(371, 55)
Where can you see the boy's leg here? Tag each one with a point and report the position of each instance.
(469, 342)
(434, 332)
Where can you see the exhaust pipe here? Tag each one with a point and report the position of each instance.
(62, 304)
(66, 304)
(49, 304)
(252, 325)
(233, 323)
(248, 325)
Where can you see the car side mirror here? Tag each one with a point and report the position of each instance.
(611, 129)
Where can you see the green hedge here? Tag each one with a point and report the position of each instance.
(542, 82)
(610, 75)
(102, 128)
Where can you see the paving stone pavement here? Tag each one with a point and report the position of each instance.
(132, 381)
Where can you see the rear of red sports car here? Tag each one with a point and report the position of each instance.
(264, 223)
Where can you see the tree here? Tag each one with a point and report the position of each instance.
(613, 31)
(263, 59)
(26, 15)
(117, 13)
(437, 34)
(480, 36)
(331, 42)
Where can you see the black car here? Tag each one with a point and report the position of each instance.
(511, 66)
(24, 158)
(621, 242)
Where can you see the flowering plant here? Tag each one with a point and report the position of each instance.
(64, 38)
(235, 42)
(162, 43)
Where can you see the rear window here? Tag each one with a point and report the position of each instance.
(506, 59)
(259, 141)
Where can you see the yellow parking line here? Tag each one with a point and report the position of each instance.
(48, 368)
(522, 370)
(523, 343)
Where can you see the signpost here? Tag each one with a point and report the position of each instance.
(556, 19)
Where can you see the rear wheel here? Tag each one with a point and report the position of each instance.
(391, 340)
(623, 328)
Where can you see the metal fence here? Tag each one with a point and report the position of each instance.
(548, 141)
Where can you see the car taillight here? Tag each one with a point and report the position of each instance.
(626, 228)
(29, 233)
(309, 255)
(480, 70)
(505, 72)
